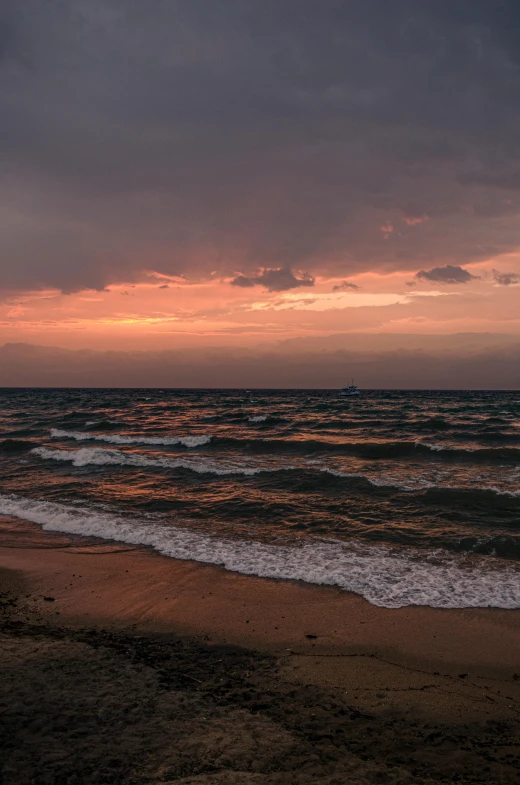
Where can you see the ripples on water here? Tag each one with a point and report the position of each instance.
(404, 498)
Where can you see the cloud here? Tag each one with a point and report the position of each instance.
(275, 279)
(345, 286)
(397, 361)
(505, 279)
(255, 135)
(505, 180)
(241, 280)
(415, 220)
(447, 274)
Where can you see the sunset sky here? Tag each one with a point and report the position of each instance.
(237, 175)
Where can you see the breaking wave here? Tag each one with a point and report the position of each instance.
(99, 456)
(377, 450)
(165, 441)
(384, 576)
(310, 477)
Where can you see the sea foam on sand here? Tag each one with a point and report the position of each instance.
(385, 577)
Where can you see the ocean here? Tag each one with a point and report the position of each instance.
(405, 498)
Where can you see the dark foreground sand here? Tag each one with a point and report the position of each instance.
(120, 666)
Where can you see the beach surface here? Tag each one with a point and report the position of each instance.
(125, 666)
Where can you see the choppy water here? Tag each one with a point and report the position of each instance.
(402, 497)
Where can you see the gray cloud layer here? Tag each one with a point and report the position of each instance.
(188, 136)
(400, 362)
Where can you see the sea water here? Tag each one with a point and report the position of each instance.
(406, 498)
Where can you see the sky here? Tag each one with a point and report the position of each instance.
(229, 179)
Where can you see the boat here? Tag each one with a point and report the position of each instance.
(350, 390)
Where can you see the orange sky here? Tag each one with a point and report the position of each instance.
(163, 312)
(195, 174)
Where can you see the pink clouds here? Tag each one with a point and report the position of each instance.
(170, 311)
(415, 220)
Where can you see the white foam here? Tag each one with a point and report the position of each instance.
(384, 482)
(493, 489)
(115, 438)
(100, 456)
(259, 418)
(384, 577)
(438, 447)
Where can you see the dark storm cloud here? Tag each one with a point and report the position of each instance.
(447, 274)
(505, 279)
(274, 280)
(173, 135)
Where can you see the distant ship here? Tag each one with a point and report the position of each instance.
(350, 390)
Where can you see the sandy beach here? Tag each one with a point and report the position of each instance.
(236, 679)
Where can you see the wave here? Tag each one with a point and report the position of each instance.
(104, 425)
(383, 576)
(20, 433)
(370, 450)
(240, 418)
(461, 431)
(311, 478)
(268, 419)
(432, 424)
(438, 493)
(500, 545)
(422, 489)
(343, 425)
(99, 456)
(488, 436)
(449, 493)
(165, 441)
(373, 450)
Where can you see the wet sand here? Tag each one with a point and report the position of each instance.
(241, 679)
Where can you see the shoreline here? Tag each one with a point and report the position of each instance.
(121, 665)
(122, 587)
(140, 586)
(384, 575)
